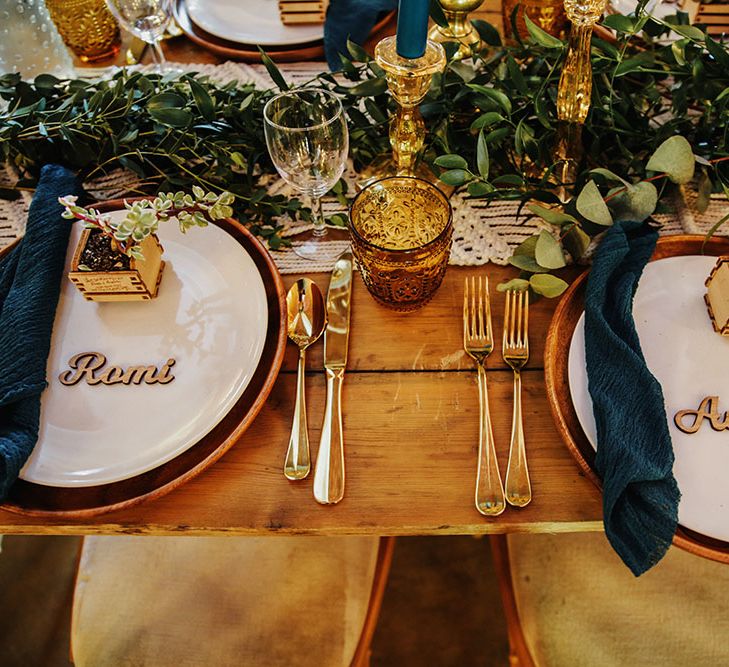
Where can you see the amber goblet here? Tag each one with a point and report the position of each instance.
(401, 229)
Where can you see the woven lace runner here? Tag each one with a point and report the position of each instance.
(481, 232)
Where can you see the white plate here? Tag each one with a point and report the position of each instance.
(250, 22)
(690, 361)
(211, 316)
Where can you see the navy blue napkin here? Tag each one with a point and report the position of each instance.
(30, 282)
(353, 19)
(634, 449)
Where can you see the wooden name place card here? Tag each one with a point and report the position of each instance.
(88, 366)
(708, 409)
(717, 296)
(294, 12)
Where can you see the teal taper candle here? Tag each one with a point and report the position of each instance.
(412, 28)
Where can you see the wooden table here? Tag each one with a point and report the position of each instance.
(411, 433)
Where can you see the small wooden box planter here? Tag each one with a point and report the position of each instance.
(138, 283)
(717, 295)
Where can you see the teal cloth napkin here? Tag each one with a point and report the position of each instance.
(634, 449)
(350, 19)
(30, 280)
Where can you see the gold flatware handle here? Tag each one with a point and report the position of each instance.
(489, 489)
(518, 487)
(329, 472)
(298, 461)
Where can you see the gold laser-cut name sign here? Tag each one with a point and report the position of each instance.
(708, 409)
(88, 366)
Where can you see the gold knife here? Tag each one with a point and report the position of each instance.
(329, 473)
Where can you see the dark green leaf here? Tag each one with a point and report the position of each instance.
(479, 189)
(454, 177)
(482, 156)
(496, 95)
(172, 117)
(552, 216)
(203, 101)
(487, 32)
(620, 23)
(485, 119)
(273, 71)
(451, 162)
(167, 100)
(369, 87)
(541, 37)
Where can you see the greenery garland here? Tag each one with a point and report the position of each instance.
(492, 127)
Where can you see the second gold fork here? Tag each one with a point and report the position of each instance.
(515, 350)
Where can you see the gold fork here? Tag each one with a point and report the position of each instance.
(478, 341)
(515, 350)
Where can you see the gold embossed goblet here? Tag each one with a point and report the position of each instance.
(401, 230)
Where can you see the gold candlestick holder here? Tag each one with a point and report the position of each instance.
(575, 84)
(408, 80)
(459, 27)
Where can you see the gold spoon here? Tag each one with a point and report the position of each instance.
(306, 320)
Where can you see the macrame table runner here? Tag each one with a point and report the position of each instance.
(482, 232)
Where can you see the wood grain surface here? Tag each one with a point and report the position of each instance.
(411, 432)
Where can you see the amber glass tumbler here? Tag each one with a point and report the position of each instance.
(401, 230)
(87, 27)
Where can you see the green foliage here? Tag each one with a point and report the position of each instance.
(491, 122)
(143, 217)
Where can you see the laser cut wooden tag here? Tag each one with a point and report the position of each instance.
(708, 409)
(88, 365)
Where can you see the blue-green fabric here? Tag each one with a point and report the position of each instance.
(634, 449)
(30, 279)
(350, 19)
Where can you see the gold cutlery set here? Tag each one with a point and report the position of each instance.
(308, 318)
(478, 342)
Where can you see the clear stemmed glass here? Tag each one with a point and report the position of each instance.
(146, 19)
(307, 139)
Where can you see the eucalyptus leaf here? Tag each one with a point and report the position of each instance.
(576, 242)
(513, 284)
(674, 157)
(548, 252)
(592, 206)
(636, 202)
(547, 285)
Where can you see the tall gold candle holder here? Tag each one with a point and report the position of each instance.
(459, 27)
(575, 84)
(408, 80)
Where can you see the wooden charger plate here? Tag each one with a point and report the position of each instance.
(39, 500)
(556, 373)
(249, 53)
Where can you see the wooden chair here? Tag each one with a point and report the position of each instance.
(215, 601)
(570, 602)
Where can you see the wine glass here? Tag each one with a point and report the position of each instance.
(307, 139)
(146, 19)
